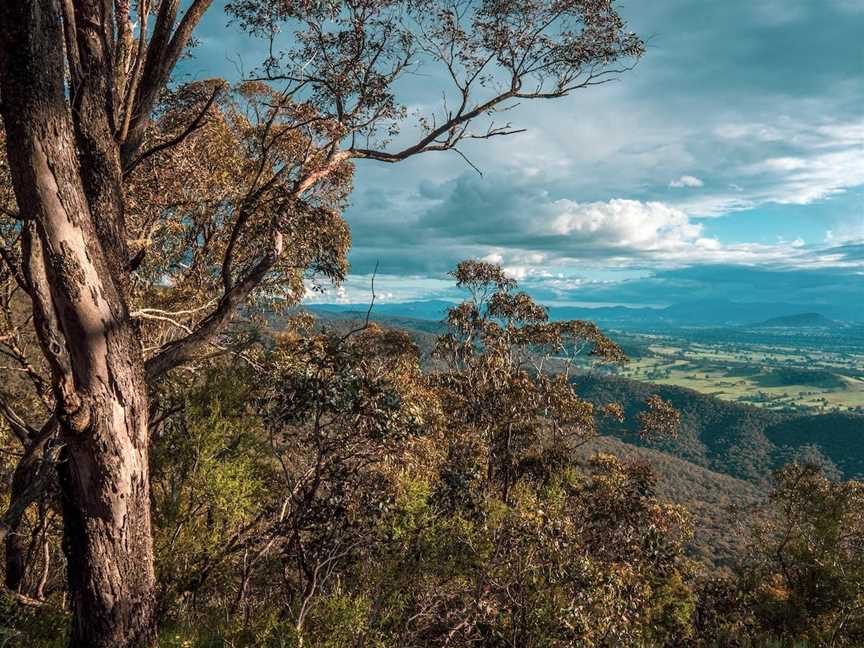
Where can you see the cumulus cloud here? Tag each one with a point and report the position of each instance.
(537, 234)
(493, 257)
(623, 224)
(686, 181)
(389, 288)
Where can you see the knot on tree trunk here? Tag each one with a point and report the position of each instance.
(75, 413)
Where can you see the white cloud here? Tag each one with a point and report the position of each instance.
(357, 289)
(493, 257)
(633, 234)
(751, 132)
(805, 179)
(843, 233)
(317, 293)
(787, 162)
(844, 133)
(686, 181)
(624, 224)
(517, 272)
(777, 165)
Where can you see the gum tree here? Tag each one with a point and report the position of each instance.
(125, 284)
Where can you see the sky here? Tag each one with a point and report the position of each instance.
(729, 162)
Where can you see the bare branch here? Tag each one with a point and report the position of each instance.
(13, 265)
(164, 50)
(368, 311)
(48, 329)
(17, 424)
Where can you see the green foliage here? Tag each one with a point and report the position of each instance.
(806, 575)
(209, 472)
(803, 580)
(32, 626)
(335, 494)
(797, 376)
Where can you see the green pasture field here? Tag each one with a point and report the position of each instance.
(773, 377)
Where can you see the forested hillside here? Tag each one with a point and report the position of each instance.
(743, 441)
(722, 506)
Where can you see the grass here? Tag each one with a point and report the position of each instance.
(773, 377)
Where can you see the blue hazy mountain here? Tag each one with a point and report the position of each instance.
(802, 320)
(433, 310)
(706, 312)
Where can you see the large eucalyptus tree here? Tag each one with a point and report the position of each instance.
(146, 215)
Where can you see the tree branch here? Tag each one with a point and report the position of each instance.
(44, 461)
(165, 48)
(449, 130)
(18, 426)
(183, 350)
(47, 326)
(368, 312)
(194, 125)
(73, 57)
(13, 265)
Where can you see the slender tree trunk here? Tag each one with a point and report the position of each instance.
(67, 186)
(16, 549)
(30, 481)
(39, 592)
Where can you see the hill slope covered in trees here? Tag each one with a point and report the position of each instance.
(742, 441)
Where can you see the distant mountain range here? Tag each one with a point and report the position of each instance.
(703, 313)
(802, 320)
(432, 310)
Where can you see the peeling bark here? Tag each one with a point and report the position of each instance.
(61, 175)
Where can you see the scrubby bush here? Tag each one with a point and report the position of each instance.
(330, 492)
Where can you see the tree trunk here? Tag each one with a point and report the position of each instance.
(16, 549)
(106, 516)
(73, 239)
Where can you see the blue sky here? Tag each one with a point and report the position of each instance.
(734, 149)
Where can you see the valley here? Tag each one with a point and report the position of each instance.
(752, 397)
(794, 363)
(778, 375)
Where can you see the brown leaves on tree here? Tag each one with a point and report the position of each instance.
(203, 211)
(495, 384)
(659, 420)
